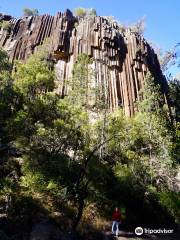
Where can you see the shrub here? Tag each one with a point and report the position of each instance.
(30, 12)
(82, 12)
(6, 25)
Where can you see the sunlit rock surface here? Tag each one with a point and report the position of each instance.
(121, 59)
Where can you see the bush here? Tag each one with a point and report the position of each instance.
(30, 12)
(92, 12)
(82, 12)
(171, 202)
(6, 25)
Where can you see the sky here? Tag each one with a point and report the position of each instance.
(162, 16)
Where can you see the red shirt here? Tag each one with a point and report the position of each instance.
(116, 216)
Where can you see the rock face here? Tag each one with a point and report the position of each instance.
(121, 59)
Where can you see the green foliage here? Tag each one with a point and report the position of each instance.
(82, 90)
(152, 97)
(62, 158)
(7, 95)
(9, 167)
(30, 12)
(4, 62)
(144, 165)
(175, 98)
(34, 76)
(82, 12)
(171, 201)
(91, 12)
(144, 152)
(6, 25)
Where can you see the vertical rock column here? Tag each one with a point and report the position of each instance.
(121, 60)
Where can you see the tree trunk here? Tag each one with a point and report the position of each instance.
(79, 213)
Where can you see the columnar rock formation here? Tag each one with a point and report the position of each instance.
(121, 59)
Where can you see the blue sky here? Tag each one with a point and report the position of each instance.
(162, 16)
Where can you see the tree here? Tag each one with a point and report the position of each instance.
(34, 76)
(6, 97)
(143, 153)
(142, 159)
(174, 86)
(170, 58)
(64, 160)
(53, 133)
(30, 12)
(9, 103)
(4, 62)
(152, 99)
(139, 26)
(82, 90)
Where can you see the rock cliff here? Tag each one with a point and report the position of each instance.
(121, 58)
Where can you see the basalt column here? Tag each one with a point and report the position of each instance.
(121, 60)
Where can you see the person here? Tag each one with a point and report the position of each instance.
(116, 219)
